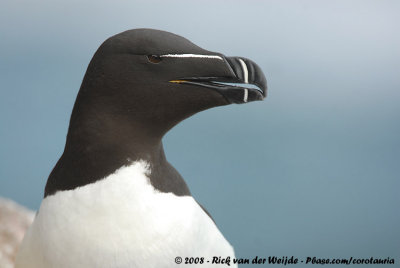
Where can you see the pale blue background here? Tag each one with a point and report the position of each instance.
(312, 171)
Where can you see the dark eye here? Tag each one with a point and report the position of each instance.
(154, 58)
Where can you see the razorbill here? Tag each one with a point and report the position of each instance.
(112, 199)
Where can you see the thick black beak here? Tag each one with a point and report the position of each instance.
(248, 72)
(245, 84)
(249, 78)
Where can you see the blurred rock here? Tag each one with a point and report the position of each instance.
(14, 220)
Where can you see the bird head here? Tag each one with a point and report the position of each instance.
(156, 79)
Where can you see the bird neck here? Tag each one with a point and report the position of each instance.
(97, 145)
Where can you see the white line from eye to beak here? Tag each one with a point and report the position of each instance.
(245, 71)
(191, 56)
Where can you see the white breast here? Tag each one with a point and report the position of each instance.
(120, 221)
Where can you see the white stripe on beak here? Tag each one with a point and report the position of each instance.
(245, 71)
(245, 95)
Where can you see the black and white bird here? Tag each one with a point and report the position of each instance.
(113, 200)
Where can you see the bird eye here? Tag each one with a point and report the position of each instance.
(154, 58)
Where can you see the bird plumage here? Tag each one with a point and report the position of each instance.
(120, 221)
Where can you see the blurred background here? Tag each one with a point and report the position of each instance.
(311, 171)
